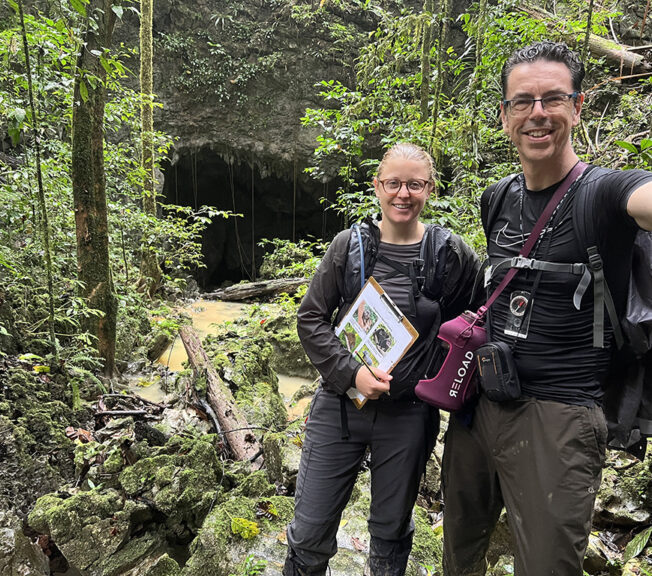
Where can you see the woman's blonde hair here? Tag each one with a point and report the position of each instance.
(408, 151)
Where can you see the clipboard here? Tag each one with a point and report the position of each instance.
(376, 331)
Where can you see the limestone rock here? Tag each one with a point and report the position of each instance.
(18, 554)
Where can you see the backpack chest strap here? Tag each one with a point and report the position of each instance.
(594, 270)
(409, 270)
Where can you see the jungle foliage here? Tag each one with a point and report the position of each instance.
(174, 234)
(392, 100)
(422, 74)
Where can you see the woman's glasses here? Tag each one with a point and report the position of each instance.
(413, 185)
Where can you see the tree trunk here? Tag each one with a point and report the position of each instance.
(150, 272)
(615, 53)
(261, 289)
(587, 36)
(439, 83)
(234, 426)
(425, 59)
(45, 226)
(88, 182)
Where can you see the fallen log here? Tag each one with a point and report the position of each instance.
(233, 424)
(264, 288)
(617, 54)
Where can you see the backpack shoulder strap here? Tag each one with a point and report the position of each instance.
(433, 255)
(492, 199)
(585, 233)
(361, 255)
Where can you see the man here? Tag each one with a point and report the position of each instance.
(541, 455)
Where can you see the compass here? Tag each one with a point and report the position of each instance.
(518, 304)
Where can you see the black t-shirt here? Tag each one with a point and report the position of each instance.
(427, 312)
(557, 360)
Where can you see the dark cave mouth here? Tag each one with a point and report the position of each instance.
(277, 202)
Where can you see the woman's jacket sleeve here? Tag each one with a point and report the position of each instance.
(314, 320)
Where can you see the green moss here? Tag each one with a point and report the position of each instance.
(62, 518)
(209, 548)
(129, 555)
(140, 476)
(427, 547)
(164, 566)
(255, 485)
(39, 516)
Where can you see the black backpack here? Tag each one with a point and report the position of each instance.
(628, 387)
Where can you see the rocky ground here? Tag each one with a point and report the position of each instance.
(133, 487)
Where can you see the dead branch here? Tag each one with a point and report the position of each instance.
(236, 430)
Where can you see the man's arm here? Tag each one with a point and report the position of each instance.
(639, 206)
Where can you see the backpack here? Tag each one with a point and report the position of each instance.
(426, 273)
(627, 399)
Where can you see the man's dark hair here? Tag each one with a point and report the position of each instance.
(551, 51)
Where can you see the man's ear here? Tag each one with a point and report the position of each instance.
(577, 108)
(503, 117)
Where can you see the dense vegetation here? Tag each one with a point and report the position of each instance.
(421, 75)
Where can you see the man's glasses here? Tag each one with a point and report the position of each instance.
(526, 105)
(413, 185)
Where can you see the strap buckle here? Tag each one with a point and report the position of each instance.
(520, 262)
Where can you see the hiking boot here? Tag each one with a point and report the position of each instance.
(388, 557)
(294, 567)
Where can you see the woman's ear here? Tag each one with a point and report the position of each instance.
(376, 187)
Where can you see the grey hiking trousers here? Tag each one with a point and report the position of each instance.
(401, 436)
(543, 461)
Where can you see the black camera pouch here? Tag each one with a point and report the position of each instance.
(497, 372)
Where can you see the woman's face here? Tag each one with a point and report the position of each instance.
(403, 207)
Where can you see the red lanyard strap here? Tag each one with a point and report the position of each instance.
(573, 175)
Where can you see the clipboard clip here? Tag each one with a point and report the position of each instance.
(399, 315)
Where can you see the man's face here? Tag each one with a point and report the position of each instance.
(541, 135)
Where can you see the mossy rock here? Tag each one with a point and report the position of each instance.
(283, 454)
(182, 479)
(35, 453)
(18, 553)
(254, 485)
(218, 551)
(625, 492)
(244, 362)
(427, 546)
(89, 527)
(162, 566)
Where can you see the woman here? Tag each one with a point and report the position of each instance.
(398, 428)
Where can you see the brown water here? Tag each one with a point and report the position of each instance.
(287, 386)
(204, 316)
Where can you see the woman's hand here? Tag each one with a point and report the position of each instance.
(370, 387)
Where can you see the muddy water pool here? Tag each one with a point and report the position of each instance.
(204, 316)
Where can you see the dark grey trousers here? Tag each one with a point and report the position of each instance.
(543, 461)
(401, 436)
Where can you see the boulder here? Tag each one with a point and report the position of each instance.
(18, 553)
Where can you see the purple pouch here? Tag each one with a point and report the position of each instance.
(454, 384)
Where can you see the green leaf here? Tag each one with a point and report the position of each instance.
(118, 11)
(646, 143)
(83, 90)
(29, 356)
(627, 146)
(244, 528)
(637, 544)
(78, 6)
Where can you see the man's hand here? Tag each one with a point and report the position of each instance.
(370, 387)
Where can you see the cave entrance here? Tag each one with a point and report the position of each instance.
(277, 202)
